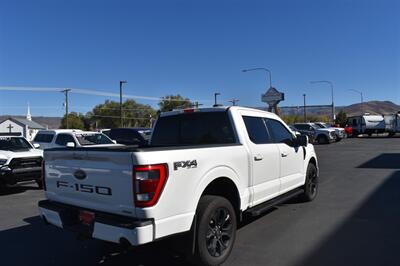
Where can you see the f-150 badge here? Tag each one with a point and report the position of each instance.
(185, 164)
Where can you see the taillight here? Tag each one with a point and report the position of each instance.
(43, 176)
(148, 183)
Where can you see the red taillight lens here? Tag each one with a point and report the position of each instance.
(43, 175)
(148, 183)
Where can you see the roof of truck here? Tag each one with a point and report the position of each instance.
(211, 109)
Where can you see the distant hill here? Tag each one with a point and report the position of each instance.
(50, 122)
(373, 107)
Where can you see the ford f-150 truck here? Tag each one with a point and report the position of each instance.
(203, 170)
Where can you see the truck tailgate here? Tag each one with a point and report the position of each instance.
(94, 180)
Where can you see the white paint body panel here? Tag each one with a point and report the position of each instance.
(176, 207)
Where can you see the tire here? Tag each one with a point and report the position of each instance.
(311, 185)
(322, 139)
(216, 231)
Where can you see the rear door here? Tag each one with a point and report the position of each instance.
(291, 156)
(264, 160)
(99, 180)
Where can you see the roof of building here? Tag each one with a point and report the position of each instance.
(26, 122)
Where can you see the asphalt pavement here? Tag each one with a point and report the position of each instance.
(355, 220)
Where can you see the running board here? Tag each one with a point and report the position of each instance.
(263, 207)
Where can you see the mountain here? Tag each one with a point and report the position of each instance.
(372, 107)
(50, 122)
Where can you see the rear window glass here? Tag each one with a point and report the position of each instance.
(93, 139)
(199, 128)
(41, 137)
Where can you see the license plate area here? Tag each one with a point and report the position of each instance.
(86, 217)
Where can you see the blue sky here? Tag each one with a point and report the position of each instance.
(196, 48)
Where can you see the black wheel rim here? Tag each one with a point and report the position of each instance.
(219, 233)
(313, 183)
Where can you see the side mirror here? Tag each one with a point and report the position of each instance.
(70, 144)
(114, 141)
(302, 140)
(36, 145)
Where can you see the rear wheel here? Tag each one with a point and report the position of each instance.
(216, 230)
(322, 139)
(311, 185)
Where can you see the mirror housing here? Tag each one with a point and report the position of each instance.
(70, 145)
(114, 141)
(36, 145)
(302, 140)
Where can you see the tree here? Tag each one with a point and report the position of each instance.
(74, 121)
(171, 102)
(341, 118)
(107, 115)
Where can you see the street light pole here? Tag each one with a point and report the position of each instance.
(305, 113)
(333, 104)
(264, 69)
(120, 101)
(362, 100)
(66, 91)
(215, 98)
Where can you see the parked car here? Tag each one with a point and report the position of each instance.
(367, 124)
(204, 170)
(297, 132)
(19, 161)
(128, 136)
(339, 131)
(320, 135)
(349, 130)
(70, 137)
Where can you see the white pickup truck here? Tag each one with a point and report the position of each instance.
(204, 169)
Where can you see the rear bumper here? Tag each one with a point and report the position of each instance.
(107, 227)
(12, 176)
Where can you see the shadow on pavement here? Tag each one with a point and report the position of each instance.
(371, 236)
(17, 189)
(39, 244)
(383, 161)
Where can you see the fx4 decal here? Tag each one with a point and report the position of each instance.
(185, 164)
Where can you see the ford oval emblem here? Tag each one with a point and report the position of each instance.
(80, 174)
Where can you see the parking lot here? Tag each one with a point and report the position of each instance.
(354, 221)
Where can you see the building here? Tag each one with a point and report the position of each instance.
(21, 126)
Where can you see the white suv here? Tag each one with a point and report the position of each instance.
(48, 139)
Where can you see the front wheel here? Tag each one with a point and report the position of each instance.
(311, 185)
(216, 230)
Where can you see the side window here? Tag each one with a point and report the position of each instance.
(257, 130)
(63, 139)
(279, 132)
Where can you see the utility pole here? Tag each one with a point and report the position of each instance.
(215, 98)
(120, 101)
(66, 91)
(234, 101)
(197, 104)
(305, 112)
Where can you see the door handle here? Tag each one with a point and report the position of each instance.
(258, 157)
(284, 154)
